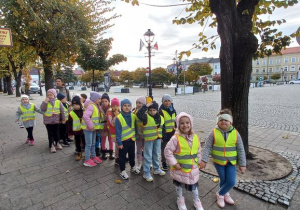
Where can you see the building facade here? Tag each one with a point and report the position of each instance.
(287, 65)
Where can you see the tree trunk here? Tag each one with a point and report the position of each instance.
(238, 45)
(48, 71)
(1, 87)
(17, 76)
(4, 85)
(8, 84)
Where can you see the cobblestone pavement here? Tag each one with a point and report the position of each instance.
(33, 178)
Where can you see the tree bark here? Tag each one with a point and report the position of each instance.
(1, 85)
(238, 46)
(8, 84)
(17, 76)
(4, 85)
(48, 71)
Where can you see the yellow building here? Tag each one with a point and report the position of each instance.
(287, 65)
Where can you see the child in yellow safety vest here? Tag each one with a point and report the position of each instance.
(27, 113)
(226, 147)
(74, 125)
(54, 114)
(63, 132)
(152, 133)
(183, 154)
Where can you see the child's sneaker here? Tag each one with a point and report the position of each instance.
(79, 156)
(220, 201)
(89, 163)
(52, 149)
(164, 166)
(70, 140)
(181, 203)
(96, 159)
(58, 146)
(124, 175)
(159, 172)
(198, 205)
(27, 141)
(31, 143)
(228, 199)
(65, 144)
(135, 170)
(148, 178)
(139, 165)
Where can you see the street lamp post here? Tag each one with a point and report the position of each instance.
(149, 36)
(40, 84)
(177, 64)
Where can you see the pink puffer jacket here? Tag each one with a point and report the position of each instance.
(171, 147)
(87, 114)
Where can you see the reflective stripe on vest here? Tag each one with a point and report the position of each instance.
(51, 110)
(127, 132)
(224, 151)
(76, 121)
(150, 130)
(187, 156)
(95, 118)
(27, 114)
(66, 111)
(169, 121)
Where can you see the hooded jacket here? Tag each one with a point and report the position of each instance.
(88, 114)
(55, 118)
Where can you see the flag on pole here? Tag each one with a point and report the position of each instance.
(155, 46)
(141, 45)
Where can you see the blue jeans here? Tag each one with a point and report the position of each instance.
(90, 139)
(98, 140)
(151, 155)
(227, 175)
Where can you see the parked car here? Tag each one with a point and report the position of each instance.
(34, 88)
(294, 81)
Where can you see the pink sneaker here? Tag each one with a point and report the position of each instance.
(27, 141)
(58, 146)
(220, 201)
(198, 205)
(52, 149)
(31, 143)
(228, 199)
(181, 203)
(96, 159)
(89, 163)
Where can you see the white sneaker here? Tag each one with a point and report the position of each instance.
(124, 175)
(159, 172)
(181, 203)
(148, 178)
(135, 170)
(139, 165)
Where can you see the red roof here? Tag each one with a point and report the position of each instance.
(78, 72)
(291, 50)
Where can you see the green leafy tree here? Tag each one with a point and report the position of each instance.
(67, 74)
(125, 77)
(276, 76)
(201, 69)
(139, 75)
(237, 22)
(87, 77)
(191, 76)
(52, 27)
(160, 75)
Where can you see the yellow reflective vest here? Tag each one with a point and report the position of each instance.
(95, 118)
(51, 110)
(224, 151)
(187, 156)
(27, 114)
(76, 126)
(169, 121)
(127, 132)
(150, 130)
(66, 111)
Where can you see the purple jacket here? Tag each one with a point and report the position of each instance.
(88, 114)
(186, 178)
(55, 118)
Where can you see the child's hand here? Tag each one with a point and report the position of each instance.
(242, 169)
(149, 104)
(202, 165)
(121, 146)
(46, 100)
(177, 166)
(17, 121)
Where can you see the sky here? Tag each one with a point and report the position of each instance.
(136, 20)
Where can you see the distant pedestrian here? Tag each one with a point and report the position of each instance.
(168, 112)
(74, 126)
(152, 133)
(61, 88)
(54, 114)
(226, 147)
(91, 125)
(125, 137)
(27, 111)
(183, 154)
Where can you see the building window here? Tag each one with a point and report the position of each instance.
(298, 67)
(216, 66)
(292, 76)
(292, 67)
(271, 62)
(257, 70)
(277, 69)
(285, 68)
(277, 61)
(264, 62)
(270, 69)
(286, 60)
(293, 60)
(264, 70)
(257, 61)
(299, 59)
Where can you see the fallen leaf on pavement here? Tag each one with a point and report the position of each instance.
(67, 171)
(118, 181)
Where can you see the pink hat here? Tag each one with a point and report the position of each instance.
(53, 91)
(115, 102)
(183, 114)
(141, 99)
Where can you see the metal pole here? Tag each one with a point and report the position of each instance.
(93, 88)
(150, 82)
(184, 81)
